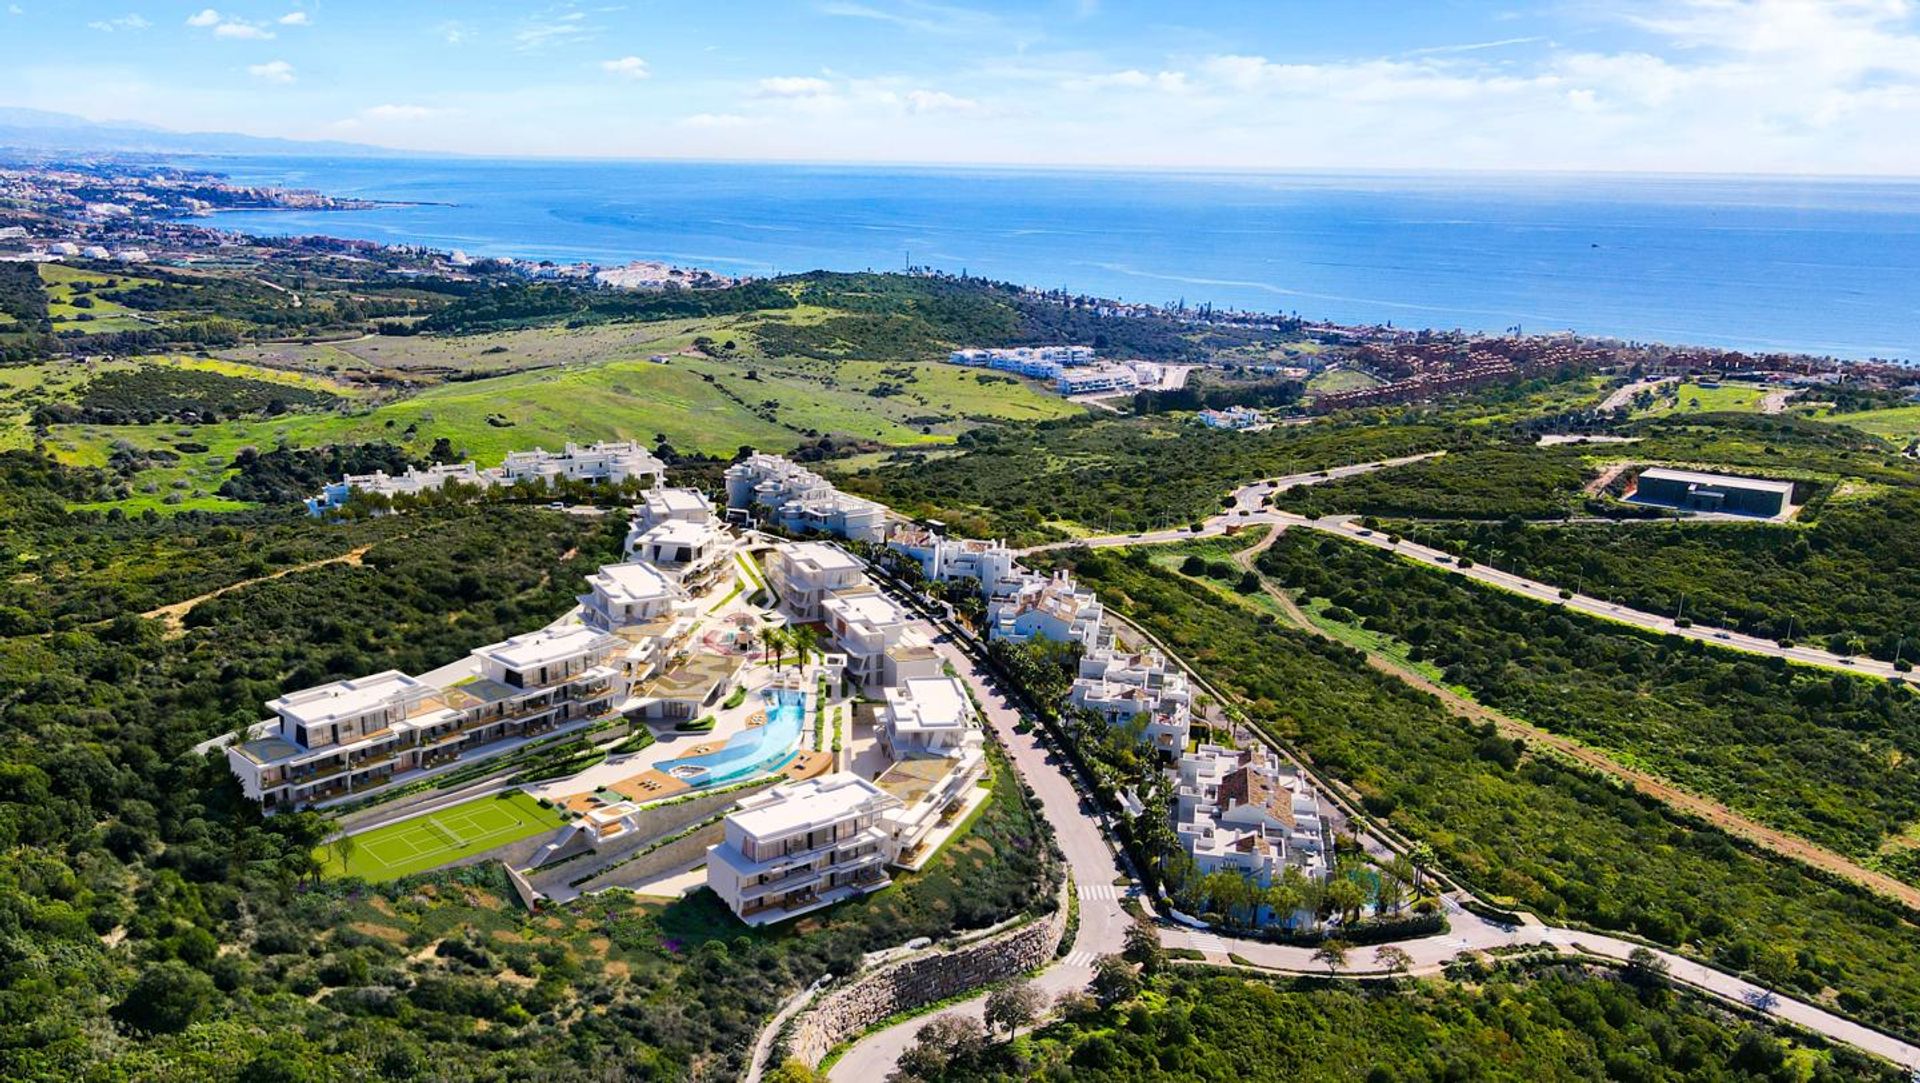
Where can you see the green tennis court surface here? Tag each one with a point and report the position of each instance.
(428, 842)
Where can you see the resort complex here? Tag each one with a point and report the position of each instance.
(1072, 369)
(610, 463)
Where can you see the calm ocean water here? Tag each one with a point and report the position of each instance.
(1829, 267)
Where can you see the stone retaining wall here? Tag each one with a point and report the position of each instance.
(845, 1012)
(681, 851)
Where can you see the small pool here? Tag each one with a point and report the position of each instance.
(752, 751)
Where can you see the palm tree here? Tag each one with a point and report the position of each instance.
(806, 643)
(776, 640)
(1421, 855)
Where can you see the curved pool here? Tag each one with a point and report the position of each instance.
(762, 748)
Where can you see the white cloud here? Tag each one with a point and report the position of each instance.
(565, 27)
(627, 67)
(242, 31)
(226, 26)
(715, 120)
(402, 113)
(296, 18)
(938, 101)
(124, 22)
(794, 86)
(453, 33)
(1173, 82)
(15, 9)
(273, 71)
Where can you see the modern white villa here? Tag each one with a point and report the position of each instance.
(676, 531)
(806, 574)
(1236, 418)
(798, 847)
(877, 637)
(609, 462)
(928, 716)
(1030, 606)
(1128, 688)
(352, 736)
(1241, 810)
(799, 501)
(947, 559)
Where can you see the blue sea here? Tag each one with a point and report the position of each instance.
(1820, 266)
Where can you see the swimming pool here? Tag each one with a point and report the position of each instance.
(760, 749)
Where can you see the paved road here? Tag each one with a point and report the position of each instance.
(1103, 923)
(1095, 869)
(1247, 508)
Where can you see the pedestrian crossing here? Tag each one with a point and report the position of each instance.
(1081, 959)
(1101, 891)
(1207, 943)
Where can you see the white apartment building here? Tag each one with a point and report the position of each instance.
(1237, 418)
(413, 480)
(805, 574)
(928, 716)
(693, 555)
(1040, 362)
(800, 501)
(611, 462)
(625, 595)
(795, 848)
(1127, 688)
(356, 735)
(942, 558)
(877, 637)
(1092, 379)
(662, 504)
(1242, 810)
(1049, 607)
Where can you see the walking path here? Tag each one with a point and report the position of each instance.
(175, 614)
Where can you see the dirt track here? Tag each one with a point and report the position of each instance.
(1712, 812)
(176, 613)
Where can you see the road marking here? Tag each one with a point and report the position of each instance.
(1207, 943)
(1080, 959)
(1099, 891)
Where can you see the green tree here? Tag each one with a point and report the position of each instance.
(1114, 981)
(1331, 954)
(1143, 947)
(1013, 1006)
(167, 997)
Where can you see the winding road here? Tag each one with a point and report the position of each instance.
(1101, 880)
(1099, 875)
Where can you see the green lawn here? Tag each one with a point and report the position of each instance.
(107, 315)
(1727, 398)
(1901, 423)
(1341, 380)
(428, 842)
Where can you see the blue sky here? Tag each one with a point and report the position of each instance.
(1748, 86)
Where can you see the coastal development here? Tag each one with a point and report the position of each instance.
(780, 677)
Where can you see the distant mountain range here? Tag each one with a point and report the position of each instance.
(39, 130)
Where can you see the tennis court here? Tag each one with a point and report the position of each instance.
(428, 842)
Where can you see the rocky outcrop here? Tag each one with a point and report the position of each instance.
(843, 1013)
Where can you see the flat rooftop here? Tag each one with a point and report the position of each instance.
(1731, 481)
(821, 555)
(867, 607)
(631, 582)
(677, 501)
(802, 806)
(346, 699)
(677, 532)
(930, 703)
(543, 647)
